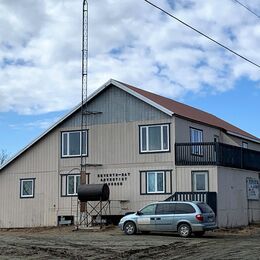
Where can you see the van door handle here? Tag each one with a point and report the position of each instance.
(152, 219)
(158, 218)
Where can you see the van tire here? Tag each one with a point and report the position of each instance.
(130, 228)
(184, 230)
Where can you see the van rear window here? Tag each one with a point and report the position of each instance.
(204, 208)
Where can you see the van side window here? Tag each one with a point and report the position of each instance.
(165, 208)
(184, 208)
(149, 210)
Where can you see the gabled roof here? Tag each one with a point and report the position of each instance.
(192, 113)
(166, 105)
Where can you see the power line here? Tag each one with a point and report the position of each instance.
(251, 11)
(203, 34)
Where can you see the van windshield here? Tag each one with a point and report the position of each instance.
(204, 208)
(148, 210)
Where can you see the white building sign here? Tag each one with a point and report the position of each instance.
(252, 189)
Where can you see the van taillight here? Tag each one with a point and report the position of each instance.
(199, 217)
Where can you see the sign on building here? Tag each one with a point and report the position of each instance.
(252, 189)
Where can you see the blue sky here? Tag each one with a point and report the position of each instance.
(40, 43)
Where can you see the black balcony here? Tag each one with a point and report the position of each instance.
(217, 154)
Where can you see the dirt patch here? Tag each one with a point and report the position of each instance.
(111, 243)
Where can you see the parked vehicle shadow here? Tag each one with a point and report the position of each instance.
(209, 235)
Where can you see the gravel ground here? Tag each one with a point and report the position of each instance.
(111, 243)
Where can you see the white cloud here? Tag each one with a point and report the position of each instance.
(42, 124)
(40, 49)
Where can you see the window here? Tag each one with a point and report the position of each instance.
(204, 208)
(184, 208)
(245, 145)
(154, 138)
(70, 182)
(148, 210)
(165, 208)
(216, 141)
(71, 143)
(196, 136)
(73, 181)
(27, 188)
(216, 138)
(155, 182)
(200, 181)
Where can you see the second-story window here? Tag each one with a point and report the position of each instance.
(245, 145)
(154, 138)
(196, 136)
(216, 138)
(71, 144)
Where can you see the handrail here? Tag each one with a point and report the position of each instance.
(204, 196)
(214, 153)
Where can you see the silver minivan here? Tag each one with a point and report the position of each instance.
(184, 217)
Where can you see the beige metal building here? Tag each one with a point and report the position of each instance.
(146, 147)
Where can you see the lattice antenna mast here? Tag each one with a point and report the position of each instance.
(84, 91)
(83, 216)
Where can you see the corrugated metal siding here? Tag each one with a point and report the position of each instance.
(42, 157)
(183, 134)
(233, 206)
(116, 106)
(130, 189)
(31, 212)
(184, 177)
(229, 139)
(115, 144)
(183, 131)
(40, 162)
(125, 197)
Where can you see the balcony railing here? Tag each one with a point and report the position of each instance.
(217, 154)
(209, 197)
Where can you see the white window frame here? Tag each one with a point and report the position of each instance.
(75, 176)
(198, 149)
(244, 145)
(32, 180)
(80, 140)
(194, 181)
(147, 182)
(146, 127)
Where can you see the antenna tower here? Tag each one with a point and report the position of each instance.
(84, 95)
(82, 216)
(84, 78)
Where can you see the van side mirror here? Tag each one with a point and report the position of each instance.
(139, 213)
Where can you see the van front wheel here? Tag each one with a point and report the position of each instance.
(184, 230)
(129, 228)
